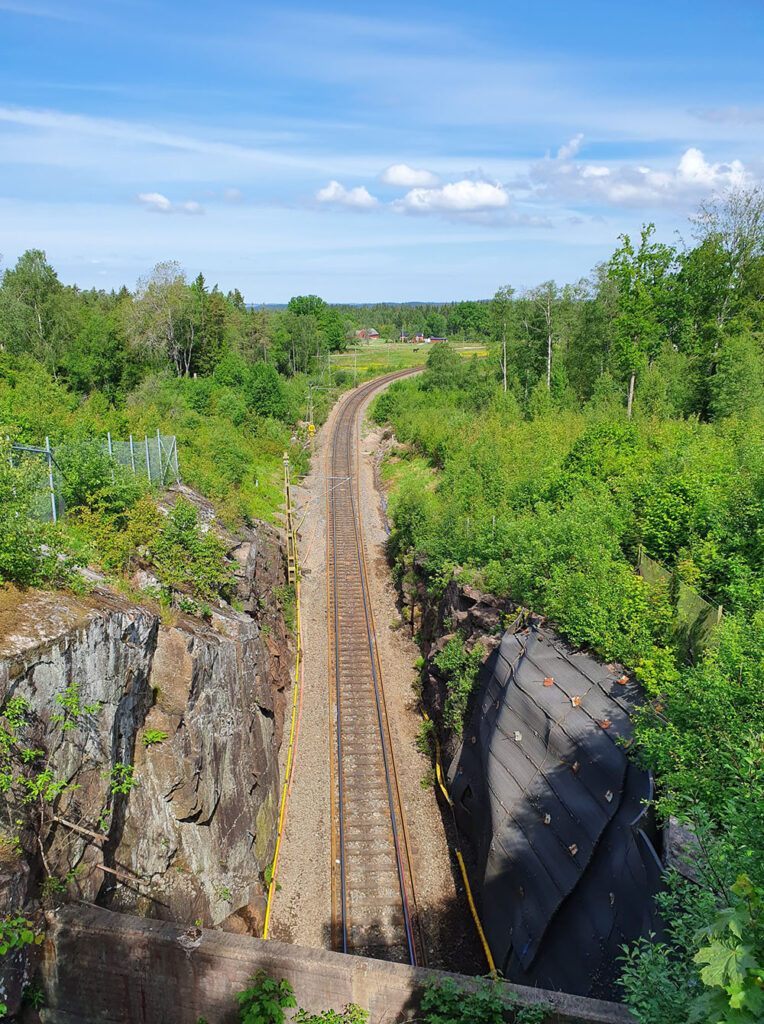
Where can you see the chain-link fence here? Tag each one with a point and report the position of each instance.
(154, 457)
(696, 618)
(41, 480)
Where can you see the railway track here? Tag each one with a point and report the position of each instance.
(373, 900)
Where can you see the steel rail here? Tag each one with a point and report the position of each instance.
(380, 762)
(383, 745)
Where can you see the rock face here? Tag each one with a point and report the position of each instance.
(477, 617)
(194, 707)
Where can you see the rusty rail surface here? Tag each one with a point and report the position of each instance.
(373, 902)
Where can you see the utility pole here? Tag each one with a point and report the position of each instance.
(355, 369)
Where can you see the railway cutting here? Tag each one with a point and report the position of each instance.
(374, 911)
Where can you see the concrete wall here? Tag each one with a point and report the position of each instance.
(105, 968)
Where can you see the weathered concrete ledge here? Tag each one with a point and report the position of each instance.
(100, 967)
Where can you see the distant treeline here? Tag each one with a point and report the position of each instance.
(695, 309)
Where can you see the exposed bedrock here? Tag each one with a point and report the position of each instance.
(191, 839)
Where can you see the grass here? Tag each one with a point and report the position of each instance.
(403, 468)
(380, 358)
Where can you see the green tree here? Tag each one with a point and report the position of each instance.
(737, 386)
(641, 276)
(264, 391)
(730, 228)
(31, 309)
(96, 356)
(306, 305)
(444, 368)
(542, 320)
(502, 323)
(333, 329)
(162, 316)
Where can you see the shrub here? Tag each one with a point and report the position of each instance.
(265, 1000)
(186, 556)
(152, 736)
(460, 669)
(29, 549)
(447, 1002)
(92, 477)
(352, 1014)
(118, 538)
(264, 391)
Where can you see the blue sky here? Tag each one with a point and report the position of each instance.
(396, 151)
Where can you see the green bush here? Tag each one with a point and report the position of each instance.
(266, 999)
(29, 549)
(90, 476)
(264, 392)
(117, 539)
(446, 1002)
(186, 556)
(460, 669)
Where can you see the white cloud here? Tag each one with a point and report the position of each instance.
(457, 197)
(564, 178)
(357, 198)
(159, 203)
(568, 151)
(408, 177)
(155, 201)
(232, 195)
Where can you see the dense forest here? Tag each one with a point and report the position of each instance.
(628, 416)
(621, 413)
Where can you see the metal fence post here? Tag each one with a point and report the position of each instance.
(174, 457)
(49, 457)
(132, 454)
(111, 453)
(148, 457)
(159, 456)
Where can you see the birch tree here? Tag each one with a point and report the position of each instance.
(642, 277)
(731, 228)
(542, 320)
(31, 313)
(161, 319)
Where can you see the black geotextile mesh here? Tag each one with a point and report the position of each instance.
(557, 812)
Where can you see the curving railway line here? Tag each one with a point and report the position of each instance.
(374, 909)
